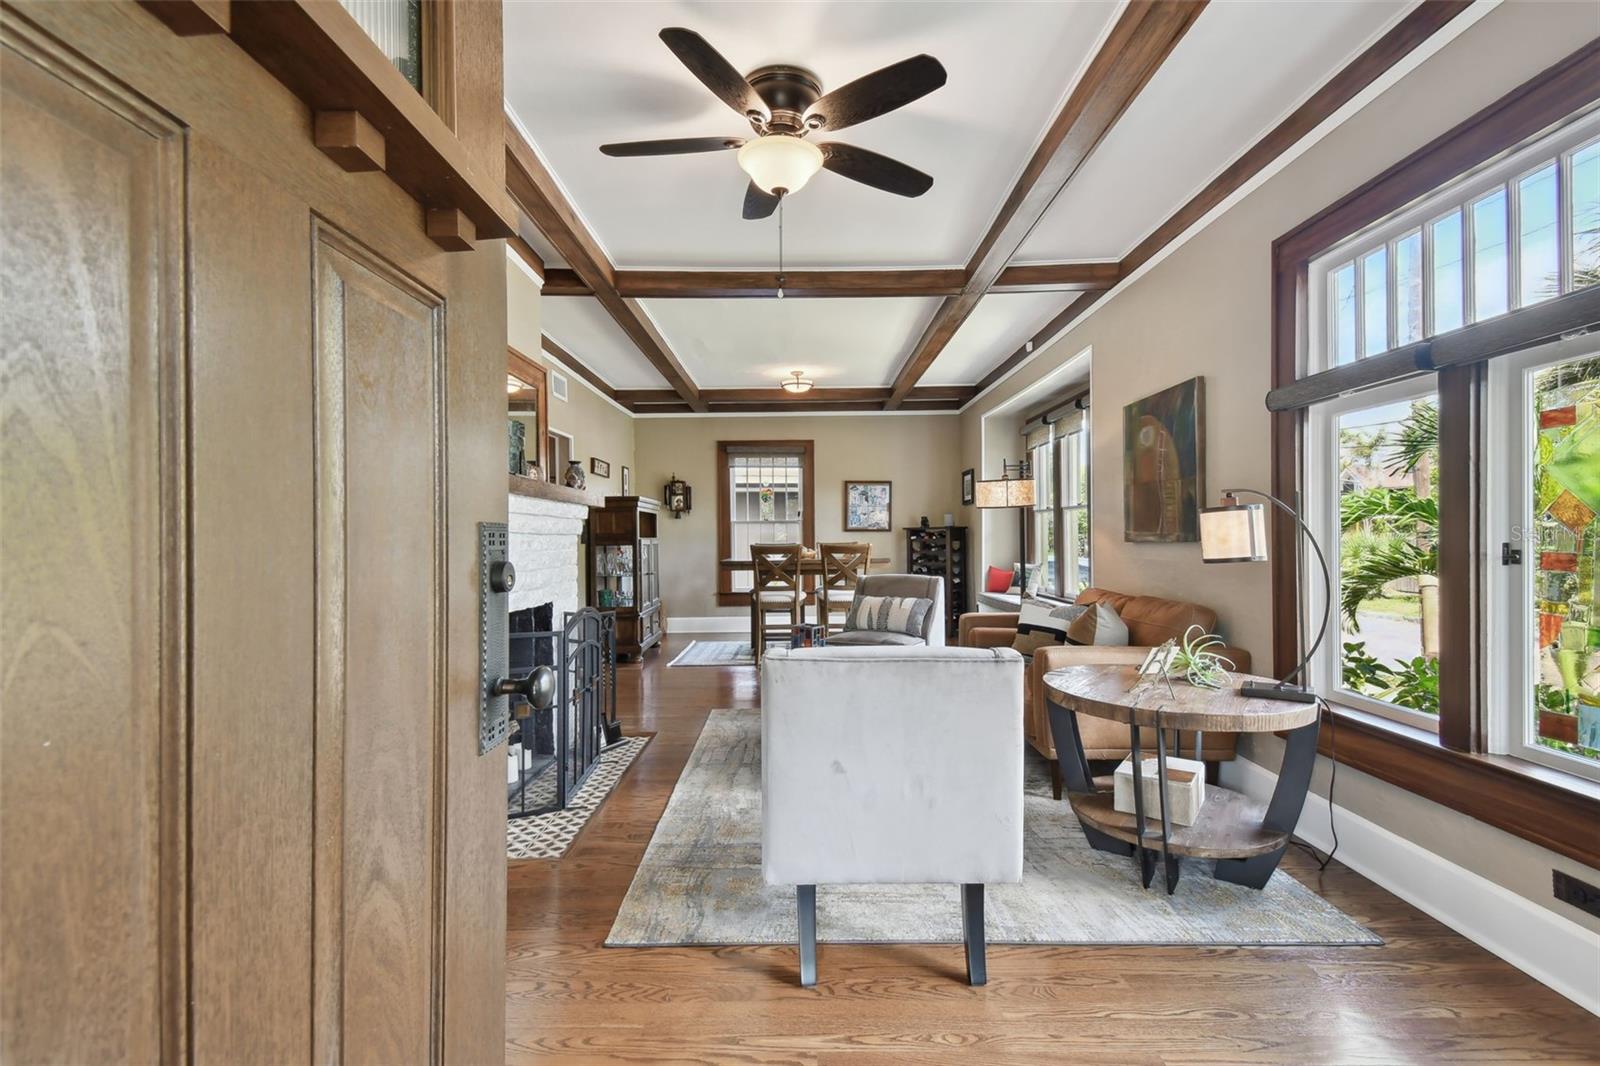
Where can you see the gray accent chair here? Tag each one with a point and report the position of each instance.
(918, 585)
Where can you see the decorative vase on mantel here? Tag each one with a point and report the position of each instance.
(574, 478)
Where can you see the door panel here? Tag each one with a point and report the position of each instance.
(380, 706)
(91, 535)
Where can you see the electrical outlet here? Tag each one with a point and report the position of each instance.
(1579, 894)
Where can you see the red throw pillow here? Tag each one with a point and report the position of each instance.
(997, 580)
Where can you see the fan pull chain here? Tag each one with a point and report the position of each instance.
(780, 247)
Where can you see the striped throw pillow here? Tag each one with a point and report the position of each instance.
(890, 614)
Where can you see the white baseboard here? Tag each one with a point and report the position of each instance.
(713, 623)
(1554, 951)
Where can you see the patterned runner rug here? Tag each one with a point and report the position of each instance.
(716, 653)
(700, 880)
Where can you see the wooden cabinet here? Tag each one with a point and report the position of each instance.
(624, 565)
(941, 551)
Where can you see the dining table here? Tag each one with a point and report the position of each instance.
(810, 566)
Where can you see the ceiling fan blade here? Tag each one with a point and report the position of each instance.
(877, 93)
(758, 204)
(870, 168)
(714, 72)
(673, 146)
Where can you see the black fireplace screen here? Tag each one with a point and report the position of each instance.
(552, 752)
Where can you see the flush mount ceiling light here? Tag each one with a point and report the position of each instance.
(797, 382)
(780, 164)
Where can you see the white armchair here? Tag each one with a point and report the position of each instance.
(891, 765)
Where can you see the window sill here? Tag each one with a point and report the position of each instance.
(1536, 803)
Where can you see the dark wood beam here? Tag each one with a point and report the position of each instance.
(574, 364)
(726, 284)
(849, 284)
(1422, 23)
(864, 399)
(1143, 37)
(559, 281)
(520, 243)
(536, 192)
(1058, 277)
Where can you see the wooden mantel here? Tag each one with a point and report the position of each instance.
(548, 490)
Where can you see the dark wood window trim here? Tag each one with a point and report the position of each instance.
(1543, 806)
(726, 597)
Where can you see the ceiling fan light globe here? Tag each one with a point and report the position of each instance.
(780, 164)
(797, 383)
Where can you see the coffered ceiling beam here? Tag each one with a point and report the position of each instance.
(1145, 34)
(1058, 277)
(866, 399)
(536, 192)
(740, 284)
(1421, 23)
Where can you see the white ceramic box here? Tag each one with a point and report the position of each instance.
(1186, 788)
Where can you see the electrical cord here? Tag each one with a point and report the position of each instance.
(1333, 775)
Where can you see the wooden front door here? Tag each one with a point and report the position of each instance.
(251, 417)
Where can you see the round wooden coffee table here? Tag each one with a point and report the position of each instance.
(1245, 836)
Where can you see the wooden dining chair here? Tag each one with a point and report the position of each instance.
(778, 588)
(843, 566)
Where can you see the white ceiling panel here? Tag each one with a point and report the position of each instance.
(1001, 323)
(754, 343)
(581, 326)
(1239, 70)
(581, 74)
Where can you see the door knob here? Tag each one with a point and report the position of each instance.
(538, 687)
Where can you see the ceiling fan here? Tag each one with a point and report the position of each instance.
(783, 104)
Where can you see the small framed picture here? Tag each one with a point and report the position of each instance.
(599, 468)
(627, 482)
(969, 482)
(867, 506)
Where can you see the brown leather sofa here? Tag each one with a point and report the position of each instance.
(1151, 621)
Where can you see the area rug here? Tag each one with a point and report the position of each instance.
(700, 880)
(548, 836)
(716, 653)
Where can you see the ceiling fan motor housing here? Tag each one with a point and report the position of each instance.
(787, 91)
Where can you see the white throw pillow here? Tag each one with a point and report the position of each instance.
(1100, 626)
(890, 614)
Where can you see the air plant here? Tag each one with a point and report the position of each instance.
(1194, 660)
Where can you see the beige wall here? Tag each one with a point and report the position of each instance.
(599, 428)
(917, 452)
(1206, 310)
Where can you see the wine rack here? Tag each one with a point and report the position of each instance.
(941, 551)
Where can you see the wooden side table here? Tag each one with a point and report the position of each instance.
(1247, 838)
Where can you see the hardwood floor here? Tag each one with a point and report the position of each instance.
(1427, 995)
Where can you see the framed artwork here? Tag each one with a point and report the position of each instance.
(1163, 464)
(627, 482)
(969, 481)
(599, 467)
(867, 506)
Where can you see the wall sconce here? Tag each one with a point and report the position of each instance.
(679, 496)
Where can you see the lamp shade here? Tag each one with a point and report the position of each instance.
(779, 161)
(1234, 533)
(1004, 492)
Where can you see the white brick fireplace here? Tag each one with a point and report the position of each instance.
(545, 523)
